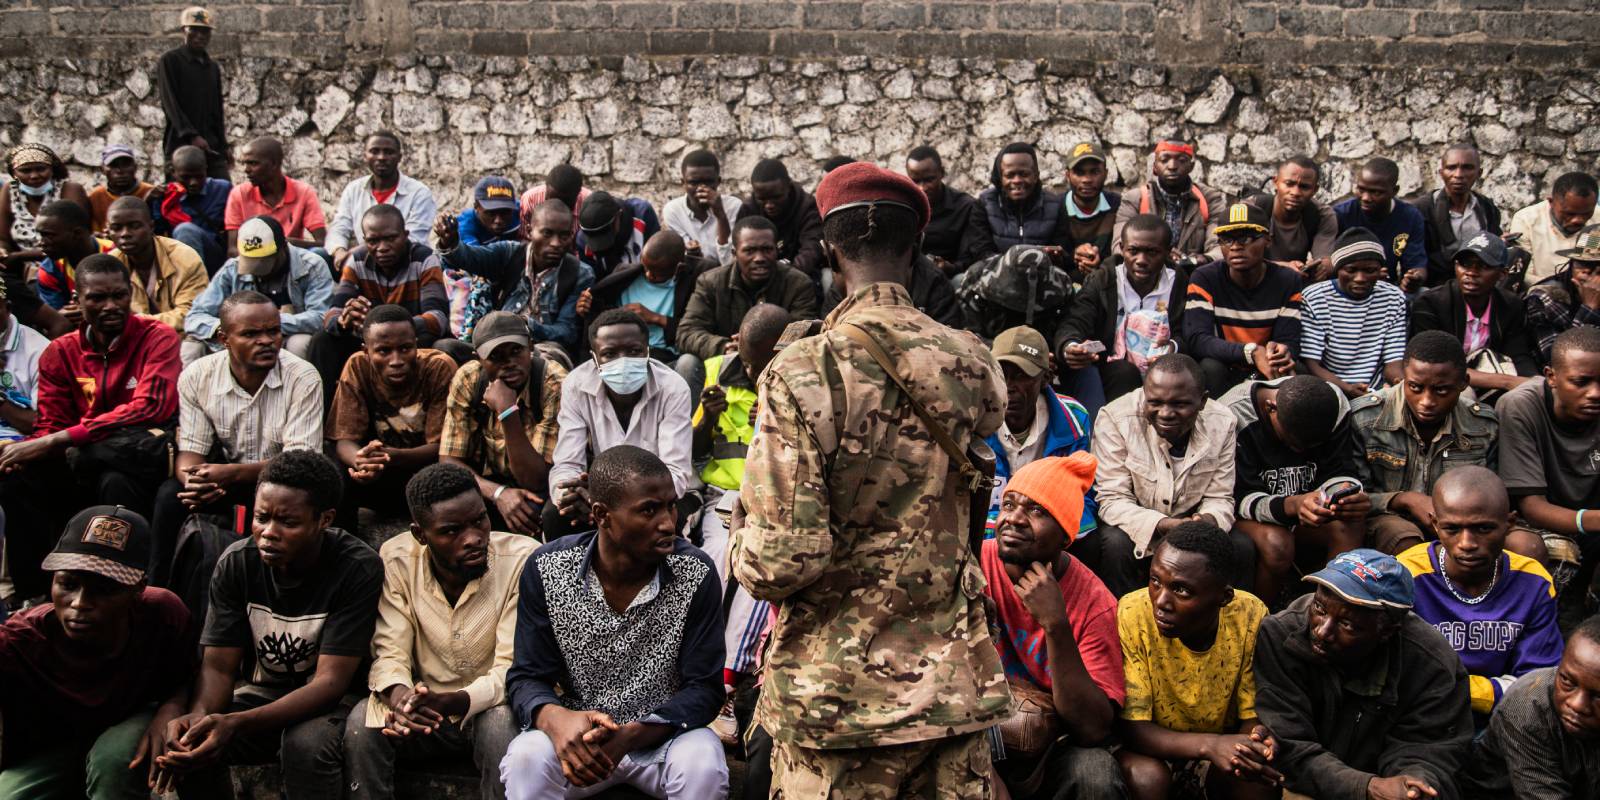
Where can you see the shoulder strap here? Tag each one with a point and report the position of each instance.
(958, 455)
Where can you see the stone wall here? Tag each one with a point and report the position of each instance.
(623, 89)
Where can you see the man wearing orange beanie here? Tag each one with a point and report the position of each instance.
(1058, 626)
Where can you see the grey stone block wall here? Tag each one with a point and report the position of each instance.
(623, 89)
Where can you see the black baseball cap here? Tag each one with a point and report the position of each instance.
(110, 541)
(598, 221)
(1243, 216)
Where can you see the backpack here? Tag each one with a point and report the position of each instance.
(201, 540)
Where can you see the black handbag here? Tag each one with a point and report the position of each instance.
(143, 452)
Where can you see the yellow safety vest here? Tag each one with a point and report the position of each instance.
(731, 439)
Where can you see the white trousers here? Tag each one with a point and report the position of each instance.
(695, 769)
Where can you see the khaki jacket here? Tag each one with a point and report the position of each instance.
(181, 278)
(1139, 485)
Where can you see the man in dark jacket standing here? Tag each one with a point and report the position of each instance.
(792, 211)
(190, 85)
(1365, 699)
(1453, 214)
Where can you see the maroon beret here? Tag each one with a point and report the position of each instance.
(862, 184)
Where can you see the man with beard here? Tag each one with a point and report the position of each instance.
(538, 279)
(1091, 212)
(167, 274)
(1454, 214)
(388, 412)
(797, 227)
(390, 269)
(956, 234)
(1191, 210)
(383, 184)
(724, 295)
(236, 410)
(500, 420)
(1123, 318)
(1555, 223)
(447, 619)
(293, 203)
(1364, 698)
(1302, 229)
(1058, 629)
(116, 377)
(1396, 224)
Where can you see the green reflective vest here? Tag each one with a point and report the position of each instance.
(731, 439)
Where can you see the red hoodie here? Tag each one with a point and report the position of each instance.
(90, 394)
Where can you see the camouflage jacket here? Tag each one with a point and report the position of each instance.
(856, 528)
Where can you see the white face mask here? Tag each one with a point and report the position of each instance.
(626, 375)
(36, 191)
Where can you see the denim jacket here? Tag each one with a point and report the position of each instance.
(1391, 458)
(503, 283)
(310, 292)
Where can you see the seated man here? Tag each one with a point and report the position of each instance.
(1187, 645)
(723, 296)
(388, 413)
(269, 192)
(108, 399)
(563, 182)
(1569, 298)
(1555, 223)
(500, 420)
(492, 217)
(191, 208)
(1192, 210)
(724, 425)
(1039, 423)
(446, 622)
(295, 280)
(703, 216)
(21, 348)
(1126, 335)
(81, 675)
(1409, 434)
(1495, 607)
(1544, 739)
(1091, 210)
(658, 289)
(626, 622)
(1396, 224)
(1242, 317)
(1057, 625)
(1016, 208)
(236, 410)
(538, 279)
(1363, 698)
(302, 599)
(1454, 214)
(956, 234)
(67, 239)
(1353, 325)
(1166, 456)
(384, 184)
(1487, 319)
(621, 396)
(389, 269)
(167, 274)
(612, 231)
(793, 214)
(120, 167)
(1302, 229)
(1549, 427)
(1294, 444)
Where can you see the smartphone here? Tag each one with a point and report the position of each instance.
(1338, 489)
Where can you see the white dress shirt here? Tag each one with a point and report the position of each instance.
(588, 423)
(413, 200)
(677, 217)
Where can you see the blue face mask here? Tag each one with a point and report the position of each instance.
(626, 375)
(36, 191)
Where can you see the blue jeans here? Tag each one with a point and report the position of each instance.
(203, 242)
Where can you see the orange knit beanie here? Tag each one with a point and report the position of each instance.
(1057, 483)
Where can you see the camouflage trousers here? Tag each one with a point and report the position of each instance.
(956, 768)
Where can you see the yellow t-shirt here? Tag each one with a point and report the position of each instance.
(1182, 690)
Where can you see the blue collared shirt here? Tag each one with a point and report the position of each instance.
(1076, 213)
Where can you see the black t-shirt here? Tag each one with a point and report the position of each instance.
(1540, 456)
(332, 610)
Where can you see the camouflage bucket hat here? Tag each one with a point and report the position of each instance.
(1022, 272)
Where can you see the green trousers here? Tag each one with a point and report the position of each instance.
(69, 773)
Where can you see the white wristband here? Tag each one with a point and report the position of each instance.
(496, 496)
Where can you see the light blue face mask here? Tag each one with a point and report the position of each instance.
(36, 191)
(626, 375)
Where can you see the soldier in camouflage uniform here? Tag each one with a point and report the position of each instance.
(881, 675)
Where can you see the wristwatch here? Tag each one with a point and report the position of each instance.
(1250, 352)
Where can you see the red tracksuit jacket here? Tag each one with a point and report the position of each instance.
(90, 394)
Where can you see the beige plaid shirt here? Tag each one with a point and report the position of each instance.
(460, 426)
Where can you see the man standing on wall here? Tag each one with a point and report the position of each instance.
(190, 83)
